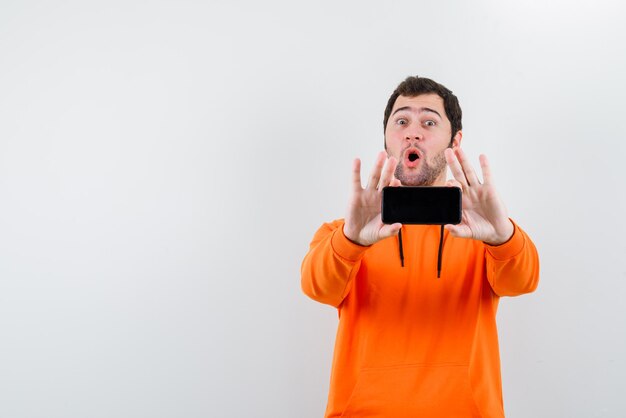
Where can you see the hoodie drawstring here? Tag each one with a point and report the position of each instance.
(400, 247)
(439, 254)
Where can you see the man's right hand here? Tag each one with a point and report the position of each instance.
(363, 224)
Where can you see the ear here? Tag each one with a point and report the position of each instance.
(456, 141)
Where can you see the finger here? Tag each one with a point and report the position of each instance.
(395, 183)
(389, 230)
(459, 231)
(356, 176)
(454, 231)
(486, 169)
(453, 183)
(387, 176)
(470, 174)
(376, 170)
(455, 167)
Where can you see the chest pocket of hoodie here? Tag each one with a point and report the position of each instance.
(413, 391)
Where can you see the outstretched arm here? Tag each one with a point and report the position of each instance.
(511, 257)
(336, 251)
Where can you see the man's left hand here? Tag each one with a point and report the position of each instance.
(484, 215)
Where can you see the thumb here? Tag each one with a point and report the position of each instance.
(456, 231)
(453, 183)
(389, 230)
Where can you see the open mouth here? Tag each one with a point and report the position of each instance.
(411, 158)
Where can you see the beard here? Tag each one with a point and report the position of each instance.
(428, 172)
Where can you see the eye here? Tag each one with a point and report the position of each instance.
(430, 123)
(401, 121)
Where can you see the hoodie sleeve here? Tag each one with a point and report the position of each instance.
(331, 264)
(513, 267)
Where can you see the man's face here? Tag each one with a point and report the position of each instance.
(417, 134)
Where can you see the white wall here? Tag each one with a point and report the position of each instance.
(163, 166)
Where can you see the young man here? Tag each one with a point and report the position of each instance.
(410, 344)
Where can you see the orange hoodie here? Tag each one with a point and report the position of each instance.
(410, 344)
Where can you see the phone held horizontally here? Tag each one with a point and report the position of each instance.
(421, 205)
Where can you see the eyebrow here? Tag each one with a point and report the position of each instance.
(421, 109)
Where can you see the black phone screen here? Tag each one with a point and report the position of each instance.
(421, 205)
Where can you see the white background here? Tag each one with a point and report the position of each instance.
(164, 165)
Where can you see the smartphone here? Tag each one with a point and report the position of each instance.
(421, 205)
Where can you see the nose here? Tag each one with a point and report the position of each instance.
(413, 132)
(414, 136)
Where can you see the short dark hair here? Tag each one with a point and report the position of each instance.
(414, 86)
